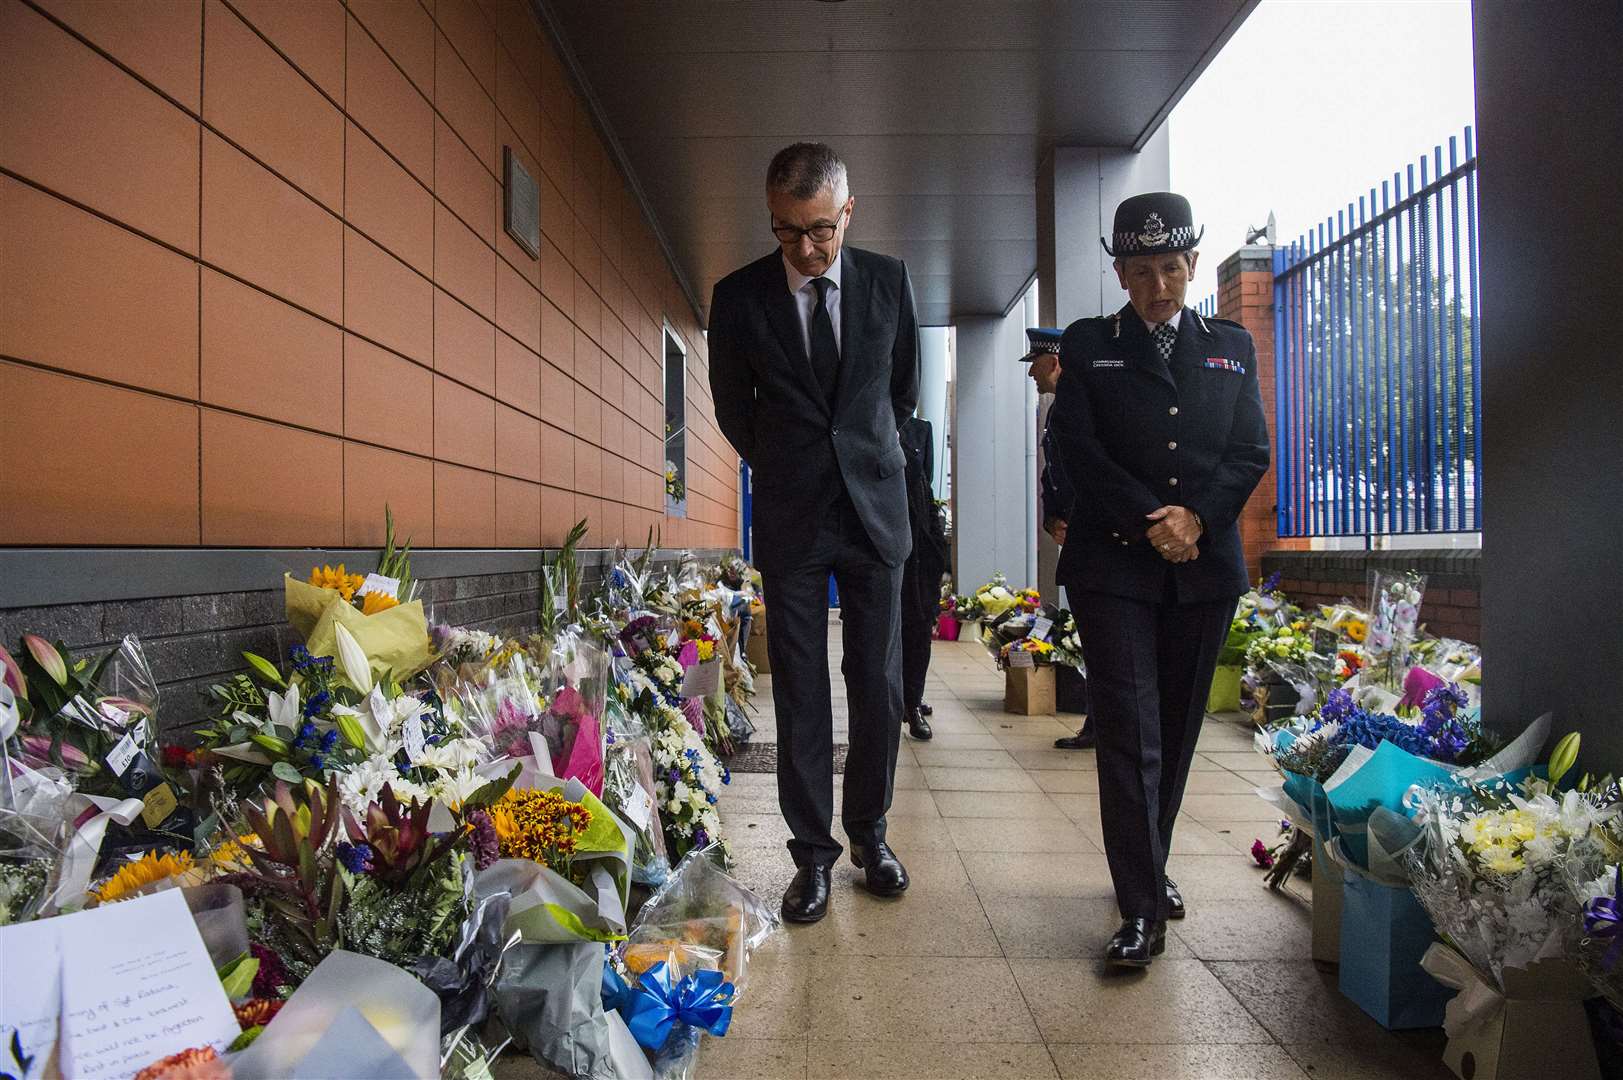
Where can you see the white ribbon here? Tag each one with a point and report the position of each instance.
(1478, 1000)
(79, 861)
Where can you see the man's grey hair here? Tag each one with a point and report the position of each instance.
(805, 169)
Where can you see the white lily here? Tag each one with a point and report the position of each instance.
(284, 708)
(357, 669)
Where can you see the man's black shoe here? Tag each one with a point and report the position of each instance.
(1082, 740)
(1175, 908)
(1136, 943)
(806, 898)
(926, 708)
(883, 872)
(918, 726)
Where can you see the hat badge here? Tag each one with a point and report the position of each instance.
(1154, 233)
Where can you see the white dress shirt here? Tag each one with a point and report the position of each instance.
(805, 294)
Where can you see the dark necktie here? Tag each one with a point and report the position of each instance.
(825, 353)
(1165, 337)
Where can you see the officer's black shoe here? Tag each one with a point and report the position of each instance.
(1082, 740)
(1175, 908)
(1136, 943)
(882, 871)
(806, 898)
(918, 726)
(926, 708)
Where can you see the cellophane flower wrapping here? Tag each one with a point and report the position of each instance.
(700, 919)
(1494, 867)
(503, 704)
(1394, 608)
(577, 678)
(629, 787)
(1600, 902)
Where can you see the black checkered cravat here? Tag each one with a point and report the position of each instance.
(1165, 336)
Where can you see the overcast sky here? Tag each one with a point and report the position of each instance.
(1308, 105)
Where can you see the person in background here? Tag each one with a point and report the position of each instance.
(921, 574)
(1159, 424)
(1056, 493)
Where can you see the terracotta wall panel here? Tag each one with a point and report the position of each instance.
(463, 184)
(385, 300)
(518, 444)
(266, 485)
(377, 479)
(518, 513)
(265, 357)
(383, 101)
(386, 202)
(309, 33)
(90, 489)
(464, 425)
(518, 376)
(79, 126)
(387, 399)
(82, 294)
(263, 104)
(465, 104)
(464, 507)
(473, 35)
(405, 33)
(159, 40)
(261, 229)
(518, 306)
(464, 265)
(557, 457)
(517, 103)
(465, 344)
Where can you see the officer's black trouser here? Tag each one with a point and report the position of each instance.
(1149, 670)
(921, 602)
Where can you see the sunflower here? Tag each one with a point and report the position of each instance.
(232, 854)
(325, 577)
(149, 869)
(374, 602)
(1356, 629)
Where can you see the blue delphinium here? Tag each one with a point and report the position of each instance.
(357, 858)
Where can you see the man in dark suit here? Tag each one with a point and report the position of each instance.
(1159, 425)
(921, 574)
(814, 368)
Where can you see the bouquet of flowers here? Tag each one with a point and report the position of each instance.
(1395, 618)
(380, 611)
(687, 779)
(1047, 633)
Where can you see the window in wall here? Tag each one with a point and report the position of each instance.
(676, 426)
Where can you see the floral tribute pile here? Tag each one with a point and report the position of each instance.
(479, 813)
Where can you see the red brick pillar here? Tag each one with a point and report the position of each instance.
(1245, 294)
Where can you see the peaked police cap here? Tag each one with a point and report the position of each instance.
(1152, 224)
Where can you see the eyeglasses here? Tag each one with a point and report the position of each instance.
(819, 233)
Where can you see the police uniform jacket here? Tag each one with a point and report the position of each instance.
(1135, 434)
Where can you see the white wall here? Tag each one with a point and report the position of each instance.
(933, 397)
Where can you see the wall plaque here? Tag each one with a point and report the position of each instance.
(521, 202)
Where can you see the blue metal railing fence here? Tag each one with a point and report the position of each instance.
(1376, 340)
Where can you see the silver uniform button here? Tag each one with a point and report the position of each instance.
(1172, 411)
(1173, 481)
(1172, 446)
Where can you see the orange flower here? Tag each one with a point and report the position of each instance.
(199, 1063)
(326, 577)
(374, 602)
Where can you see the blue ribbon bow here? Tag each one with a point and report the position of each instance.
(658, 1002)
(1603, 918)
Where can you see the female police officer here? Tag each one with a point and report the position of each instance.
(1159, 425)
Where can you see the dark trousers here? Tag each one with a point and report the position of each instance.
(1149, 671)
(797, 641)
(921, 601)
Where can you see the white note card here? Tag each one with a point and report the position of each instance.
(1041, 628)
(380, 584)
(30, 997)
(639, 807)
(1021, 658)
(137, 985)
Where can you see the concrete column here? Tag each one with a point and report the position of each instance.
(1078, 189)
(992, 506)
(1547, 104)
(933, 397)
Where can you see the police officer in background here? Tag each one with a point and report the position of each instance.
(1055, 494)
(1159, 425)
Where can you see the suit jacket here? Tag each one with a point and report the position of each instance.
(803, 449)
(1056, 492)
(1135, 434)
(930, 548)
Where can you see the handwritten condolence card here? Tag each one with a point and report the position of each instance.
(125, 984)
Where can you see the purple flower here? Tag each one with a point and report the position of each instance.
(1271, 583)
(701, 838)
(329, 740)
(272, 974)
(357, 858)
(486, 848)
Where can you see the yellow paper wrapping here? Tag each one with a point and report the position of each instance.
(395, 641)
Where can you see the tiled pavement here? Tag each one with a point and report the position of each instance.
(989, 966)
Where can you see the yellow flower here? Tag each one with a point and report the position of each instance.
(707, 650)
(1357, 629)
(233, 854)
(325, 577)
(374, 602)
(149, 869)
